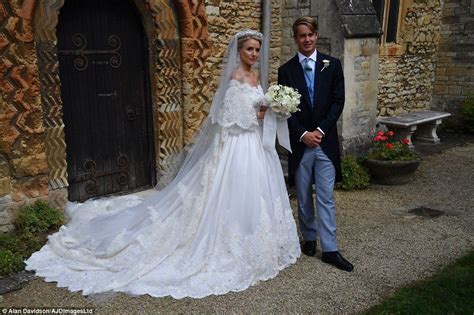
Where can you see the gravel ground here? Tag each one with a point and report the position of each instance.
(389, 248)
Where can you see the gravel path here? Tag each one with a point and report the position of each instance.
(388, 246)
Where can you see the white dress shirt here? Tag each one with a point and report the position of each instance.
(312, 65)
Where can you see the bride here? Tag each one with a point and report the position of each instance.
(222, 224)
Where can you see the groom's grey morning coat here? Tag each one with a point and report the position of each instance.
(327, 107)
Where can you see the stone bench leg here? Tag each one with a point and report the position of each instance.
(427, 132)
(402, 133)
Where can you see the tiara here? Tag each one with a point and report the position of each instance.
(249, 33)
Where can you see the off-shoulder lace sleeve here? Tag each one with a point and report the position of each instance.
(239, 108)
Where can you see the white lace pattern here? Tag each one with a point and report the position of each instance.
(224, 226)
(240, 105)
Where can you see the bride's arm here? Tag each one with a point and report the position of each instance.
(262, 109)
(263, 104)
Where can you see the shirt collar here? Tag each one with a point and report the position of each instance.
(313, 56)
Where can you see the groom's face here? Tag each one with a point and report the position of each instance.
(305, 39)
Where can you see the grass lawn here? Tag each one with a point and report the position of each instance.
(451, 291)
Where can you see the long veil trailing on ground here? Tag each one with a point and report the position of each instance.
(100, 230)
(223, 223)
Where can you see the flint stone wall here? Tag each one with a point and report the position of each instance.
(407, 68)
(32, 147)
(454, 79)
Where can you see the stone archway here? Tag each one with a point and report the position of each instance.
(168, 92)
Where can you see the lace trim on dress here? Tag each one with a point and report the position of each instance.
(194, 239)
(240, 105)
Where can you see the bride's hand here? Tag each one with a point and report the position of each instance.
(261, 112)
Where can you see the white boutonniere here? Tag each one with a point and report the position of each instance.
(326, 64)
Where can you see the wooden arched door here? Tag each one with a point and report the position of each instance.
(103, 67)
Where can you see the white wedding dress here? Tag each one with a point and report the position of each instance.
(223, 226)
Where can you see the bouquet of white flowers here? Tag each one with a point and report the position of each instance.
(283, 100)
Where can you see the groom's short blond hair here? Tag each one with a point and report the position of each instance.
(305, 20)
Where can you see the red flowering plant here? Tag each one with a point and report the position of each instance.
(388, 149)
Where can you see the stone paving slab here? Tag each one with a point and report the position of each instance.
(15, 282)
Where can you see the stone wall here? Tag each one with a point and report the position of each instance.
(329, 30)
(361, 76)
(291, 10)
(275, 39)
(407, 68)
(32, 146)
(454, 80)
(23, 166)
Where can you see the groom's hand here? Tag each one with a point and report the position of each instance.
(312, 138)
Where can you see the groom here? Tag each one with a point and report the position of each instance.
(314, 140)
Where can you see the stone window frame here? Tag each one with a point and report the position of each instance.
(398, 47)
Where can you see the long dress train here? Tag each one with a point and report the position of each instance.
(223, 226)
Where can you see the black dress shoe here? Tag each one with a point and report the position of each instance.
(309, 248)
(334, 258)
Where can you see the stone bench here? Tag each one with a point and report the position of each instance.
(422, 125)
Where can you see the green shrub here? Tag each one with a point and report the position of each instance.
(10, 262)
(38, 218)
(23, 244)
(467, 109)
(9, 242)
(31, 243)
(33, 223)
(354, 175)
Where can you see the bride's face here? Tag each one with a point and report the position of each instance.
(249, 51)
